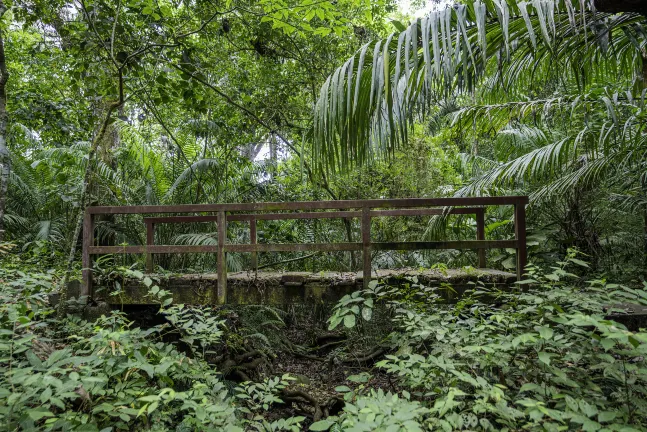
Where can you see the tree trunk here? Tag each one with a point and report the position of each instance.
(5, 162)
(84, 202)
(644, 186)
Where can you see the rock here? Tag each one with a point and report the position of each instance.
(93, 312)
(73, 291)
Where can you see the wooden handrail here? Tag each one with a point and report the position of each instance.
(368, 209)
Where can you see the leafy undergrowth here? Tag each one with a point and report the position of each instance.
(536, 356)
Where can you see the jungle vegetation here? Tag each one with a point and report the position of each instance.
(143, 102)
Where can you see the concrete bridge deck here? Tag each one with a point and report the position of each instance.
(296, 287)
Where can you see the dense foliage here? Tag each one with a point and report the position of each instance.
(141, 102)
(543, 357)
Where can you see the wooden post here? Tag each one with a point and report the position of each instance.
(221, 295)
(88, 241)
(366, 245)
(480, 235)
(150, 240)
(252, 240)
(520, 236)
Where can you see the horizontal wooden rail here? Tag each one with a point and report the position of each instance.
(299, 247)
(312, 205)
(223, 213)
(311, 215)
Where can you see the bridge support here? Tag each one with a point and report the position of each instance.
(480, 235)
(366, 245)
(86, 258)
(520, 236)
(150, 240)
(252, 240)
(222, 258)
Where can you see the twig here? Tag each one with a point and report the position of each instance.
(287, 261)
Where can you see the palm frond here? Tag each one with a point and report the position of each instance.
(367, 105)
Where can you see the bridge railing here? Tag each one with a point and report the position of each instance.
(365, 210)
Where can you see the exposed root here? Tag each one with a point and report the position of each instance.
(334, 337)
(299, 396)
(371, 356)
(242, 365)
(252, 364)
(333, 406)
(328, 345)
(249, 354)
(308, 356)
(241, 375)
(299, 351)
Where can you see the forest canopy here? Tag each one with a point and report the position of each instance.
(169, 102)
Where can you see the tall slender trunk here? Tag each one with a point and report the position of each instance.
(5, 162)
(644, 185)
(84, 202)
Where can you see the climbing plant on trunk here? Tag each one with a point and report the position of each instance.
(5, 162)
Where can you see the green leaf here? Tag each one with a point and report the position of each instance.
(33, 359)
(152, 407)
(546, 332)
(149, 398)
(544, 357)
(526, 282)
(579, 262)
(634, 342)
(335, 320)
(39, 413)
(606, 416)
(509, 262)
(367, 313)
(607, 343)
(46, 395)
(349, 321)
(322, 425)
(530, 387)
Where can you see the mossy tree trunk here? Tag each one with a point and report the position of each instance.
(5, 161)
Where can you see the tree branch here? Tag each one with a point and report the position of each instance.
(206, 23)
(324, 182)
(114, 28)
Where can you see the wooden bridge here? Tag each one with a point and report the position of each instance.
(364, 210)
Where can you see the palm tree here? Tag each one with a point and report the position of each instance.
(550, 95)
(478, 52)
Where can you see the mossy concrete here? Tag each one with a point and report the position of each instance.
(633, 316)
(295, 287)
